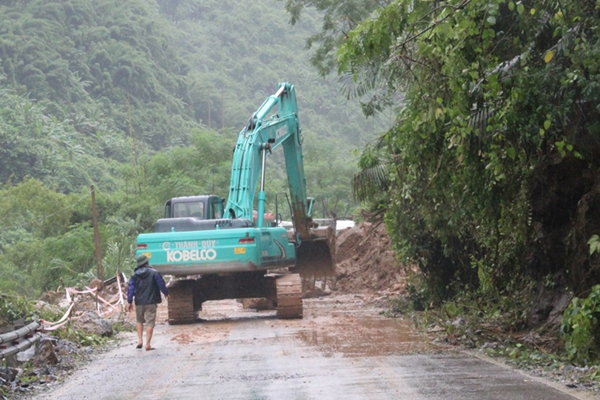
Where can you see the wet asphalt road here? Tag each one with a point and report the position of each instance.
(336, 352)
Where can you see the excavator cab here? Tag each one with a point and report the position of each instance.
(194, 213)
(198, 207)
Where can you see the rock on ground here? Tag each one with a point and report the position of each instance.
(44, 352)
(91, 322)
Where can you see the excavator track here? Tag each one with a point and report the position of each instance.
(181, 303)
(289, 296)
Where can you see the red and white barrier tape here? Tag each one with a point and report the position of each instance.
(47, 326)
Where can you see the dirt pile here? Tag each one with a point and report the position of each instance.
(366, 262)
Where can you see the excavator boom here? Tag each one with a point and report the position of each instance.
(266, 133)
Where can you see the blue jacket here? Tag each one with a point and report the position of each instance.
(145, 285)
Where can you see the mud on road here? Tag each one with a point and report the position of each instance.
(342, 348)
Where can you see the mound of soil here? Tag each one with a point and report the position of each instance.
(366, 262)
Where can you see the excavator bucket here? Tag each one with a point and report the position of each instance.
(315, 258)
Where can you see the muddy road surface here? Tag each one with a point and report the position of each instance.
(341, 349)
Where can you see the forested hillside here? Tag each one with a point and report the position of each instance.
(144, 100)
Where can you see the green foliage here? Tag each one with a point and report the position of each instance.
(415, 300)
(579, 327)
(489, 171)
(13, 307)
(203, 167)
(47, 235)
(33, 209)
(78, 51)
(328, 176)
(120, 251)
(48, 147)
(80, 337)
(339, 18)
(47, 312)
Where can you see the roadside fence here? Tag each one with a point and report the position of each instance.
(21, 339)
(13, 342)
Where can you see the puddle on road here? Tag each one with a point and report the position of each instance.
(363, 337)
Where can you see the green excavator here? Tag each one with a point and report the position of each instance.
(232, 251)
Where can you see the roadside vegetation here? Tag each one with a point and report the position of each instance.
(55, 354)
(488, 179)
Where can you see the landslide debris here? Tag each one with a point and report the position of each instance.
(88, 318)
(365, 262)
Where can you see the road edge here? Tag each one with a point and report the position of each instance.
(577, 394)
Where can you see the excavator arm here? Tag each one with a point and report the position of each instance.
(264, 132)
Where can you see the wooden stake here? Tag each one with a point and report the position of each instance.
(99, 270)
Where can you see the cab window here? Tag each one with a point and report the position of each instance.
(217, 209)
(190, 209)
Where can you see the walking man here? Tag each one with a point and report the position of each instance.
(145, 285)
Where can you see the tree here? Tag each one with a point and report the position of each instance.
(491, 166)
